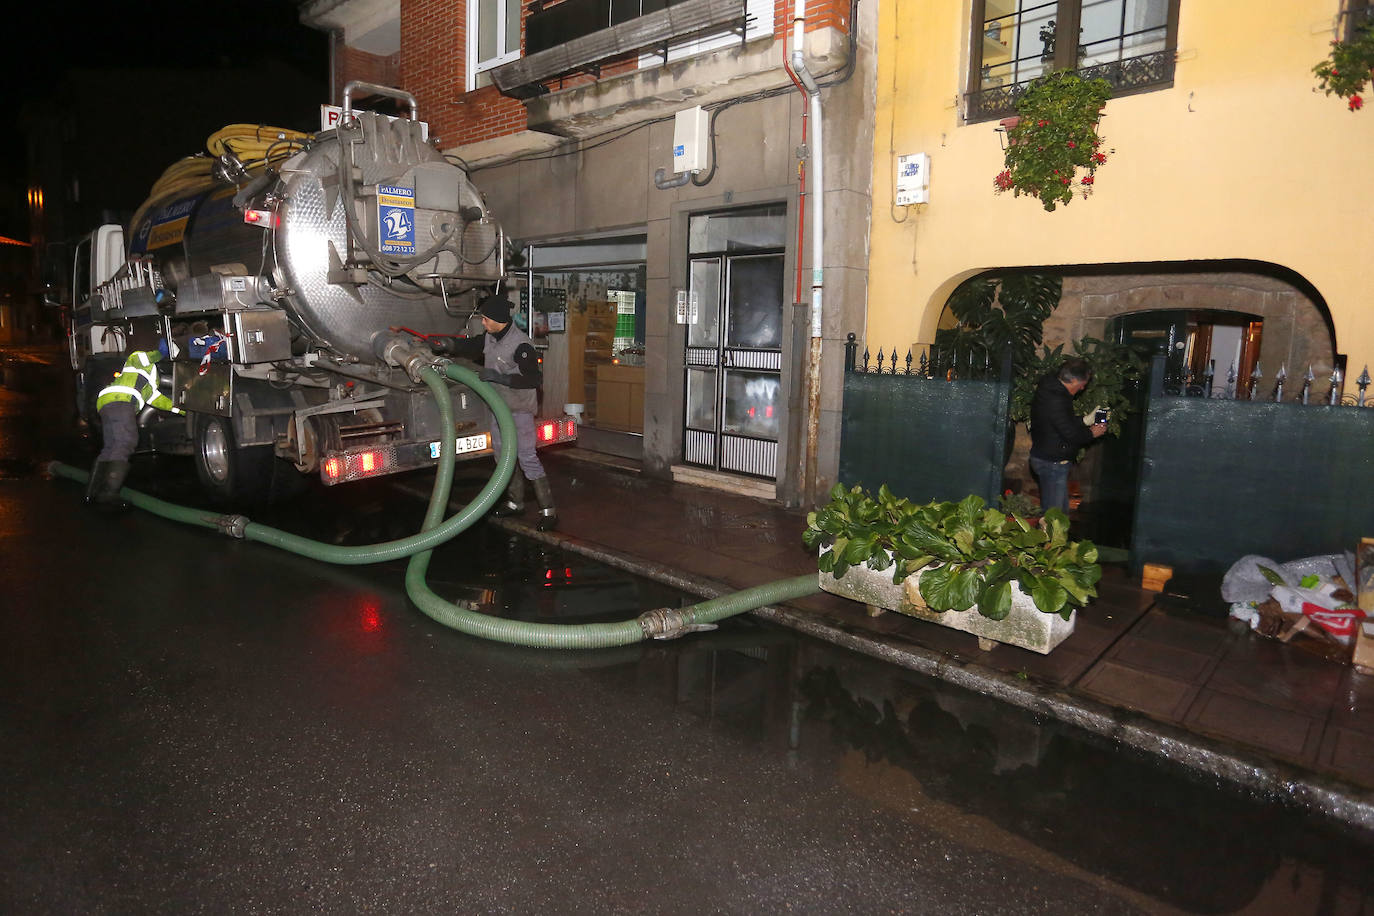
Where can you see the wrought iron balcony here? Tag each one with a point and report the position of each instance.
(576, 35)
(1132, 74)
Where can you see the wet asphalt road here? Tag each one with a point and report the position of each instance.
(209, 726)
(195, 724)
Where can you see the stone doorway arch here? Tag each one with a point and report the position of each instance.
(1297, 331)
(1297, 327)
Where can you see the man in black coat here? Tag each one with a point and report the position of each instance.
(1057, 433)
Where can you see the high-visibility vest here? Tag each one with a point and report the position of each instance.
(137, 382)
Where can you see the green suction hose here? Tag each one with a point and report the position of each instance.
(660, 623)
(240, 526)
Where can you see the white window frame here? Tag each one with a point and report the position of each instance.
(475, 67)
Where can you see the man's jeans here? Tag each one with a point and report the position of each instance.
(1054, 482)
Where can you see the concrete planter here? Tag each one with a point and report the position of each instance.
(1026, 626)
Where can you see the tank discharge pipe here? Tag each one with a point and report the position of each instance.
(663, 623)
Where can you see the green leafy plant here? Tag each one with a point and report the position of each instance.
(1348, 68)
(994, 313)
(1115, 367)
(1053, 137)
(967, 554)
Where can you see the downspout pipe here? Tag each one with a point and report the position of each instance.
(809, 468)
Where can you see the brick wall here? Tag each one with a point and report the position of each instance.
(433, 66)
(352, 64)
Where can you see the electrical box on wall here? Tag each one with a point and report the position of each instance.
(691, 141)
(913, 179)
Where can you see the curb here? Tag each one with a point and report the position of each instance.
(1288, 783)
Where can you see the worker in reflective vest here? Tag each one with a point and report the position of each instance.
(119, 404)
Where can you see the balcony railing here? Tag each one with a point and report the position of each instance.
(619, 27)
(1131, 74)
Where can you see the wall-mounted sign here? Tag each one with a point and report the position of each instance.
(396, 219)
(686, 306)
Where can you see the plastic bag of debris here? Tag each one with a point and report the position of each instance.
(1252, 577)
(1273, 597)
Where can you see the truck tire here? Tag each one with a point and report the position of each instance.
(229, 475)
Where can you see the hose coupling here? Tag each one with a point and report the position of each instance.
(417, 363)
(400, 352)
(233, 525)
(669, 623)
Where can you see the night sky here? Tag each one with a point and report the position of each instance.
(160, 77)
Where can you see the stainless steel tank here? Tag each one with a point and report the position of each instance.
(367, 228)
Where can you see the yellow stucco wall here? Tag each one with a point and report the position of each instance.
(1239, 159)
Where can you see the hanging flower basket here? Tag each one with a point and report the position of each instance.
(1053, 147)
(1348, 68)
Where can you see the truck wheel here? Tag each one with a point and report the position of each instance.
(230, 476)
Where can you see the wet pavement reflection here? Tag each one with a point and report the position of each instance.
(195, 724)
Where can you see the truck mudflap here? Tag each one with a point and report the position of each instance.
(346, 465)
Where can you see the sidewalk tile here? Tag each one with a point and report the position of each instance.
(1121, 685)
(1258, 724)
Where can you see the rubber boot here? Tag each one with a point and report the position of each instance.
(514, 503)
(548, 515)
(107, 477)
(93, 484)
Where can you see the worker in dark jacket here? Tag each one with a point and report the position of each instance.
(1057, 433)
(118, 405)
(511, 363)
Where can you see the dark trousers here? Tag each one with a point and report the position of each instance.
(119, 428)
(1054, 482)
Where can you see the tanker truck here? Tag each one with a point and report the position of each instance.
(305, 276)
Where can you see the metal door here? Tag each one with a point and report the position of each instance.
(733, 360)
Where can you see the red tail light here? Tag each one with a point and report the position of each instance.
(346, 466)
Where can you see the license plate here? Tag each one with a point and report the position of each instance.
(465, 444)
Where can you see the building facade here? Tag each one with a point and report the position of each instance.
(655, 166)
(1232, 214)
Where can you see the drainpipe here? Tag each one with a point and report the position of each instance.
(817, 168)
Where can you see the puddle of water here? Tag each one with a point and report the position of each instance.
(1051, 791)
